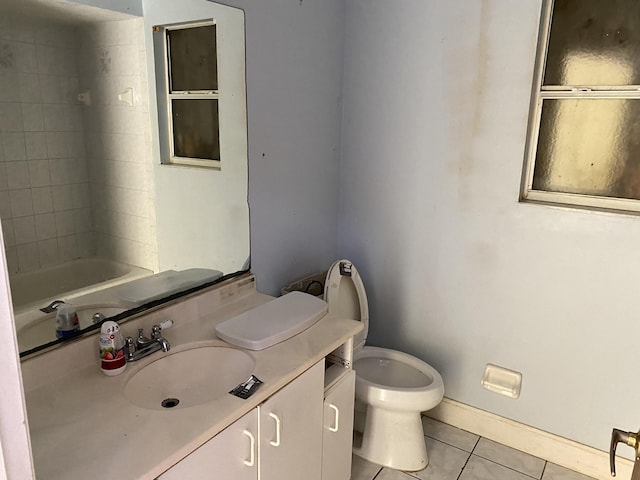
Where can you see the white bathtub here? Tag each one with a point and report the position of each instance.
(34, 290)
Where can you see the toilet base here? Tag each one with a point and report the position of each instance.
(393, 439)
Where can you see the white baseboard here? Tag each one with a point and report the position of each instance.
(567, 453)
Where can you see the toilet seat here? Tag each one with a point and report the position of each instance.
(346, 297)
(396, 380)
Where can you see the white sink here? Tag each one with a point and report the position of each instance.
(43, 329)
(189, 377)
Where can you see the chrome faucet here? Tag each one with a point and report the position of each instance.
(52, 307)
(143, 346)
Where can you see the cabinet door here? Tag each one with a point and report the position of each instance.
(233, 453)
(291, 429)
(337, 436)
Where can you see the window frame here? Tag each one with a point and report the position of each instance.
(540, 93)
(174, 159)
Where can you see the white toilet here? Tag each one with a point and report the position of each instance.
(392, 388)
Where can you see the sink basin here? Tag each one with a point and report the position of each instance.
(189, 377)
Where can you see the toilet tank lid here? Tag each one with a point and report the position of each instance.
(272, 322)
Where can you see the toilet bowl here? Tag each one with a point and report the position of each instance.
(392, 387)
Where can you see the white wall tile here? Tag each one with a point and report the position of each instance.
(50, 88)
(74, 120)
(28, 257)
(13, 146)
(24, 230)
(62, 197)
(14, 27)
(10, 86)
(12, 260)
(78, 170)
(50, 60)
(7, 232)
(21, 203)
(55, 117)
(5, 205)
(36, 145)
(81, 195)
(28, 88)
(68, 247)
(86, 244)
(45, 226)
(26, 58)
(11, 117)
(17, 175)
(57, 144)
(82, 220)
(32, 117)
(39, 173)
(42, 200)
(48, 252)
(64, 223)
(3, 176)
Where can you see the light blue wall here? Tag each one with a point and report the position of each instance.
(459, 273)
(294, 83)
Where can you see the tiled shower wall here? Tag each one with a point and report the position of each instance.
(118, 140)
(44, 185)
(74, 178)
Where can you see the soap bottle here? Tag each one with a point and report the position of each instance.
(67, 322)
(111, 343)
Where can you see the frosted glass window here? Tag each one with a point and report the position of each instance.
(594, 42)
(193, 63)
(195, 129)
(589, 147)
(583, 146)
(193, 95)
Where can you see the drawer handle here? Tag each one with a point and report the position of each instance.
(252, 447)
(337, 420)
(277, 420)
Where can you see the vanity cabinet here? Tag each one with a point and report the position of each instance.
(287, 447)
(337, 436)
(291, 429)
(233, 453)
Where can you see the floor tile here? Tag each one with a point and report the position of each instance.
(389, 474)
(445, 462)
(448, 434)
(510, 457)
(363, 470)
(478, 468)
(556, 472)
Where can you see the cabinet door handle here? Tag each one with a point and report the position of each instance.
(277, 420)
(252, 447)
(337, 420)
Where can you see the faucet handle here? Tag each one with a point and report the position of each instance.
(156, 329)
(129, 348)
(166, 324)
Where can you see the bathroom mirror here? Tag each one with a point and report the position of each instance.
(89, 198)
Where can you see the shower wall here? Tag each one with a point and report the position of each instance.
(74, 179)
(118, 139)
(45, 204)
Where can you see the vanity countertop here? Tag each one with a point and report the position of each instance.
(82, 426)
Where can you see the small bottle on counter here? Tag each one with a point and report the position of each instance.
(67, 322)
(112, 359)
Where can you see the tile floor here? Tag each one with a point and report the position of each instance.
(455, 454)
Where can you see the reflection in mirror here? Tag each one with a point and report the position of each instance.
(91, 212)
